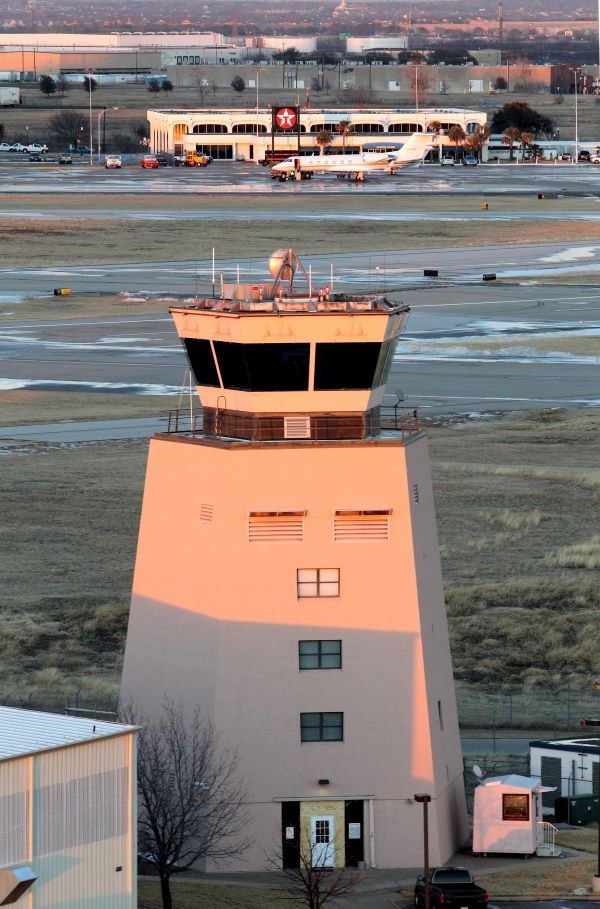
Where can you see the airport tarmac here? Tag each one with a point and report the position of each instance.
(226, 177)
(472, 346)
(478, 349)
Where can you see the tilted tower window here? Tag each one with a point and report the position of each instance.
(202, 361)
(263, 367)
(346, 365)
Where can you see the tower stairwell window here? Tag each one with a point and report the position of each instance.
(322, 727)
(318, 582)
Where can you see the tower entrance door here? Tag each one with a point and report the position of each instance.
(321, 841)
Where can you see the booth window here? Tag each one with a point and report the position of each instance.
(515, 807)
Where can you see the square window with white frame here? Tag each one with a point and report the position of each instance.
(318, 582)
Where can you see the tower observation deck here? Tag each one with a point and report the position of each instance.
(271, 362)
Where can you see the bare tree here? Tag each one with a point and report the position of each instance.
(315, 883)
(191, 803)
(66, 126)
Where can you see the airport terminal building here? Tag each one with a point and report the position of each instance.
(237, 134)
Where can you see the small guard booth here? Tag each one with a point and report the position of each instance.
(507, 817)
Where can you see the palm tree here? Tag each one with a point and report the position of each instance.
(527, 140)
(434, 126)
(477, 139)
(344, 128)
(509, 137)
(324, 139)
(456, 134)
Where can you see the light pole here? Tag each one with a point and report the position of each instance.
(257, 77)
(89, 88)
(423, 798)
(417, 95)
(103, 115)
(586, 724)
(27, 136)
(576, 75)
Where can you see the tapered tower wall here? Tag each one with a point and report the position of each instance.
(218, 611)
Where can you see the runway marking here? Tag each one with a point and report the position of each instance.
(591, 402)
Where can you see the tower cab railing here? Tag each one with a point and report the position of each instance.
(184, 421)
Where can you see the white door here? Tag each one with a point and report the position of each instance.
(321, 842)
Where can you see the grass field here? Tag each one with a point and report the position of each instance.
(519, 526)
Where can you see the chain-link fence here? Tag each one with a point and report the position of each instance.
(554, 713)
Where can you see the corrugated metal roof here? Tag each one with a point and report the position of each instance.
(28, 731)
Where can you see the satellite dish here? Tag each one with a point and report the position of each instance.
(478, 771)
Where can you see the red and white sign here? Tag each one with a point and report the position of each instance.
(285, 118)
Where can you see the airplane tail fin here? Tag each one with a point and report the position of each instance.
(416, 147)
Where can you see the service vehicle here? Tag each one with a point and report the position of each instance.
(451, 887)
(112, 161)
(37, 147)
(150, 161)
(193, 159)
(10, 97)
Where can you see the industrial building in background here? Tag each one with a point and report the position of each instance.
(68, 824)
(288, 579)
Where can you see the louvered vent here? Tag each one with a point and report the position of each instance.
(276, 526)
(296, 427)
(361, 525)
(206, 514)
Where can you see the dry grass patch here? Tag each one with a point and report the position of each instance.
(23, 407)
(69, 520)
(200, 895)
(579, 555)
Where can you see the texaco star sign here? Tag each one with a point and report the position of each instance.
(285, 118)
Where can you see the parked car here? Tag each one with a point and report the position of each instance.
(565, 157)
(178, 160)
(79, 149)
(451, 888)
(4, 146)
(470, 161)
(595, 159)
(65, 159)
(447, 160)
(36, 147)
(18, 147)
(584, 155)
(35, 156)
(149, 161)
(162, 160)
(112, 161)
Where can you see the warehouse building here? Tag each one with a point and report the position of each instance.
(67, 811)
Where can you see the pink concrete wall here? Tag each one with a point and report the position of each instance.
(215, 620)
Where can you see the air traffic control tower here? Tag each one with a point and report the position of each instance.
(288, 580)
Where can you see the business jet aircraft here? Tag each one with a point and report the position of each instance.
(298, 167)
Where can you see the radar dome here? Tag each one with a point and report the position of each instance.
(283, 264)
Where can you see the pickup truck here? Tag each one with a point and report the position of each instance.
(451, 888)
